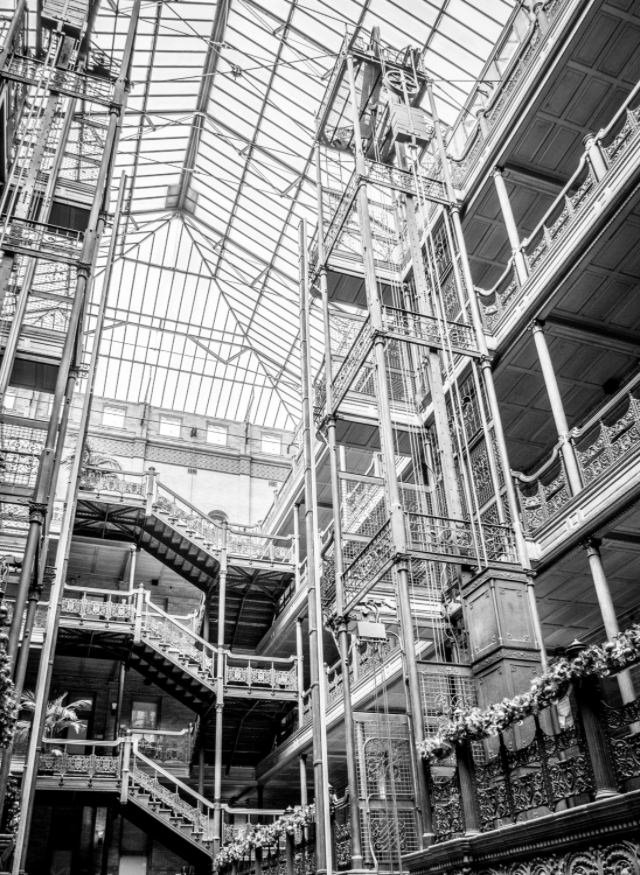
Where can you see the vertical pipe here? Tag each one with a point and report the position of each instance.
(122, 677)
(302, 759)
(220, 657)
(132, 567)
(316, 649)
(510, 225)
(296, 544)
(341, 632)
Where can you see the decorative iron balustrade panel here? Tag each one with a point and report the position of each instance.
(503, 293)
(418, 185)
(624, 138)
(441, 536)
(202, 824)
(20, 451)
(551, 768)
(370, 563)
(354, 361)
(196, 526)
(448, 820)
(95, 480)
(186, 647)
(340, 214)
(434, 332)
(269, 677)
(259, 548)
(69, 765)
(620, 726)
(556, 224)
(106, 609)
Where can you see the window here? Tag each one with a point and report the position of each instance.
(170, 426)
(113, 417)
(144, 715)
(9, 400)
(271, 443)
(217, 434)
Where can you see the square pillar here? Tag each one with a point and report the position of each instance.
(502, 643)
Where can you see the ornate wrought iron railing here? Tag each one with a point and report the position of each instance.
(607, 439)
(259, 674)
(66, 758)
(446, 538)
(20, 450)
(123, 484)
(433, 332)
(175, 638)
(156, 789)
(580, 193)
(498, 87)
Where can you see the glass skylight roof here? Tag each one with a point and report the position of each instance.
(218, 146)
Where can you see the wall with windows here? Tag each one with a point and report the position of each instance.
(218, 465)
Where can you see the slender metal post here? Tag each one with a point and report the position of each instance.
(557, 408)
(296, 544)
(133, 559)
(510, 225)
(219, 709)
(316, 649)
(341, 632)
(122, 677)
(607, 610)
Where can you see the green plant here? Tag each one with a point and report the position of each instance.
(59, 716)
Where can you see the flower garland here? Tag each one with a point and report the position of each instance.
(8, 707)
(264, 835)
(475, 724)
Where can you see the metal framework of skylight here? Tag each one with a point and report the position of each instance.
(218, 144)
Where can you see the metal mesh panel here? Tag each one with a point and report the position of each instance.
(384, 759)
(443, 690)
(362, 506)
(387, 835)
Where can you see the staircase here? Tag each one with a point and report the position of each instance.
(119, 768)
(166, 649)
(137, 507)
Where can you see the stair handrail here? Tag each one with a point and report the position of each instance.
(208, 652)
(215, 527)
(200, 811)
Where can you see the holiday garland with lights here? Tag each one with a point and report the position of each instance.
(475, 724)
(265, 835)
